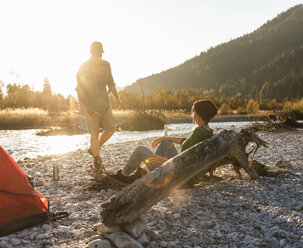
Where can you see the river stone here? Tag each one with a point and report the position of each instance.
(24, 233)
(195, 241)
(32, 236)
(102, 229)
(298, 207)
(46, 227)
(99, 243)
(3, 244)
(93, 238)
(172, 244)
(15, 241)
(123, 240)
(136, 228)
(41, 236)
(143, 240)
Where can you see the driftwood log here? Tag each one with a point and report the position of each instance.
(226, 147)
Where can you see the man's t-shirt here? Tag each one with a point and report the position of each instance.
(198, 135)
(92, 78)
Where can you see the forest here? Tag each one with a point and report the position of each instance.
(23, 96)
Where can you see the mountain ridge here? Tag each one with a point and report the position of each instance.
(242, 65)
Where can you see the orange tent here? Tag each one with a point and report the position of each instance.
(21, 205)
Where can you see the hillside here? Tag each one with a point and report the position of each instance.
(270, 58)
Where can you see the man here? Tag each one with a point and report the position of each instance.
(92, 78)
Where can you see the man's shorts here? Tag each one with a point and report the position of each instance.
(97, 120)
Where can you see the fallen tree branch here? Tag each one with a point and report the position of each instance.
(223, 148)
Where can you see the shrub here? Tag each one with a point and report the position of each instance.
(252, 106)
(141, 121)
(225, 109)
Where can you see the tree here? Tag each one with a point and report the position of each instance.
(46, 87)
(1, 89)
(252, 106)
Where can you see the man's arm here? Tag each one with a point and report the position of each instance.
(80, 100)
(112, 86)
(113, 89)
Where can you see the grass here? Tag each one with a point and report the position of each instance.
(179, 113)
(23, 118)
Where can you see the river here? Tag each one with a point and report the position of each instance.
(22, 144)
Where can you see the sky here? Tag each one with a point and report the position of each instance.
(51, 38)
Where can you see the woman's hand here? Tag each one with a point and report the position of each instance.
(157, 142)
(156, 159)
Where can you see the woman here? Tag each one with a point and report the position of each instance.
(202, 112)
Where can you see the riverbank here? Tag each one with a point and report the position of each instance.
(219, 118)
(72, 121)
(230, 212)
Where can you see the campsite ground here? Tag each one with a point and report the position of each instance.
(229, 212)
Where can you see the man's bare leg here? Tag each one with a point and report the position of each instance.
(94, 134)
(94, 144)
(105, 136)
(95, 149)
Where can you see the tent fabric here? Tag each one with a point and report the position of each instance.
(21, 205)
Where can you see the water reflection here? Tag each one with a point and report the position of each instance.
(24, 143)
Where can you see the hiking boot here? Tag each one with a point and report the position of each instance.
(131, 178)
(98, 163)
(125, 179)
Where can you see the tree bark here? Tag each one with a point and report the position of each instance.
(223, 148)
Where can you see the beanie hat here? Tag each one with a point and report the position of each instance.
(205, 109)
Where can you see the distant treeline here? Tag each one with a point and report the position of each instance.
(183, 99)
(23, 96)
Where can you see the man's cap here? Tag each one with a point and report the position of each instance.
(97, 47)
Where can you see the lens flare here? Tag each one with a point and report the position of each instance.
(165, 180)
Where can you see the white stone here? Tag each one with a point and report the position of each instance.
(282, 242)
(3, 244)
(41, 236)
(136, 228)
(99, 243)
(24, 233)
(123, 240)
(15, 241)
(46, 227)
(102, 229)
(177, 215)
(39, 183)
(143, 239)
(32, 236)
(171, 244)
(64, 228)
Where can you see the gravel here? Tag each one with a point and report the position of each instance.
(223, 212)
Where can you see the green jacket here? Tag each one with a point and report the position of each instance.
(198, 135)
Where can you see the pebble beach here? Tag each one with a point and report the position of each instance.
(226, 211)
